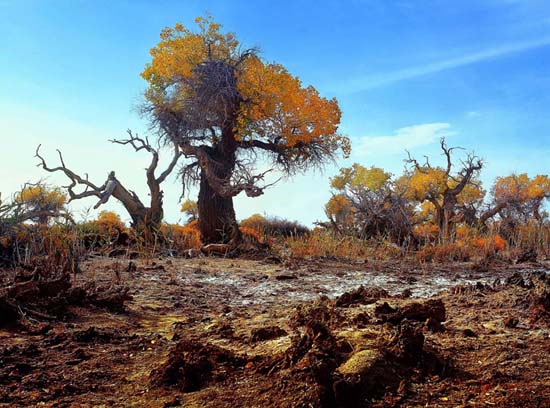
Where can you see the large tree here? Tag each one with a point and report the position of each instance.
(226, 107)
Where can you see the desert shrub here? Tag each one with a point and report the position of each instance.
(465, 232)
(26, 242)
(182, 237)
(383, 249)
(492, 243)
(530, 235)
(458, 251)
(109, 222)
(255, 221)
(280, 227)
(39, 202)
(106, 231)
(251, 234)
(35, 223)
(426, 233)
(273, 226)
(190, 209)
(324, 243)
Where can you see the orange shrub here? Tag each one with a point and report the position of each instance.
(464, 232)
(27, 241)
(109, 222)
(427, 231)
(322, 243)
(455, 252)
(5, 242)
(182, 237)
(492, 243)
(251, 232)
(255, 221)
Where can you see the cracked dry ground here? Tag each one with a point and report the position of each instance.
(241, 333)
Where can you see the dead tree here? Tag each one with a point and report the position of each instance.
(146, 220)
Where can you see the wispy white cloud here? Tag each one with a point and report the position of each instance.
(473, 114)
(377, 80)
(406, 138)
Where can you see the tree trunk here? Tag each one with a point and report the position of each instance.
(145, 225)
(217, 221)
(145, 220)
(446, 216)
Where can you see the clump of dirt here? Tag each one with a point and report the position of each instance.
(40, 293)
(362, 295)
(45, 290)
(266, 333)
(112, 297)
(540, 297)
(312, 358)
(192, 365)
(432, 309)
(97, 335)
(343, 372)
(320, 313)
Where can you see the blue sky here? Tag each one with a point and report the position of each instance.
(404, 72)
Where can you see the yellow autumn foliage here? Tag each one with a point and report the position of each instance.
(358, 177)
(276, 107)
(521, 187)
(339, 209)
(432, 182)
(109, 222)
(41, 196)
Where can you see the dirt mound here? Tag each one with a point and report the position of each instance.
(348, 372)
(266, 333)
(321, 312)
(312, 358)
(44, 292)
(362, 295)
(192, 365)
(39, 294)
(111, 297)
(433, 309)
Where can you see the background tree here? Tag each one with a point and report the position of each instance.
(449, 192)
(35, 202)
(367, 204)
(226, 108)
(146, 220)
(190, 209)
(39, 203)
(341, 214)
(518, 199)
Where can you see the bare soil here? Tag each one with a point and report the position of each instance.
(210, 332)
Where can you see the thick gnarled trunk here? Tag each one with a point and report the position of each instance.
(146, 221)
(217, 221)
